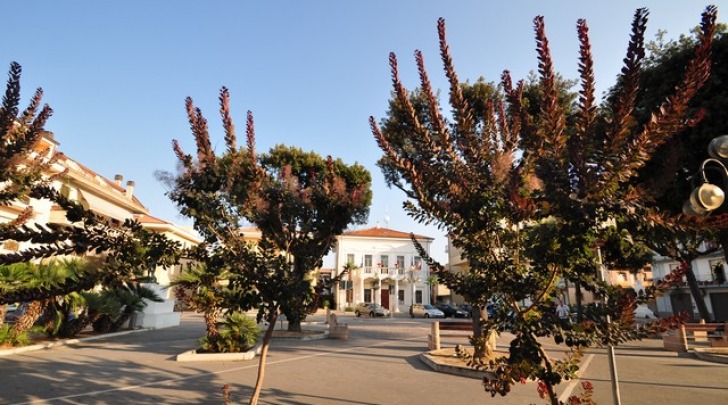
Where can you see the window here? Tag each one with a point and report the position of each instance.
(400, 264)
(417, 263)
(367, 295)
(400, 297)
(717, 271)
(367, 263)
(418, 296)
(673, 267)
(384, 264)
(350, 258)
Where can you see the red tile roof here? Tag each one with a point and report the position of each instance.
(148, 219)
(92, 174)
(383, 233)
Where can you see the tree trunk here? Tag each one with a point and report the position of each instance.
(482, 350)
(3, 311)
(33, 311)
(211, 324)
(294, 325)
(263, 354)
(299, 305)
(697, 295)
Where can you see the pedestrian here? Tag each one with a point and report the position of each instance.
(563, 312)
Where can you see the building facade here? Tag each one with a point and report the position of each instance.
(710, 272)
(388, 269)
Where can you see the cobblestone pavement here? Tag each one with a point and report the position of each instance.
(378, 364)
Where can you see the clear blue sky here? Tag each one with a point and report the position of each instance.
(312, 72)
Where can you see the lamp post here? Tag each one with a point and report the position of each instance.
(707, 197)
(610, 348)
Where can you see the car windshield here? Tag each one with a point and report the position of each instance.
(429, 307)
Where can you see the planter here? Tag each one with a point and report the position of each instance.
(192, 355)
(339, 331)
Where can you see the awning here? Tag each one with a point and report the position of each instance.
(100, 206)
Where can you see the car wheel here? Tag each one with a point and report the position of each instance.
(427, 315)
(371, 314)
(357, 313)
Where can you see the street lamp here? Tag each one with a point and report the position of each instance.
(707, 197)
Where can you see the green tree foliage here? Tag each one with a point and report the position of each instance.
(20, 132)
(488, 178)
(298, 200)
(669, 177)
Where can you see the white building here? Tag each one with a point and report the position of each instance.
(389, 270)
(710, 271)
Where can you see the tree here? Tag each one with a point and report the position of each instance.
(486, 178)
(198, 287)
(23, 172)
(308, 201)
(298, 200)
(669, 177)
(20, 169)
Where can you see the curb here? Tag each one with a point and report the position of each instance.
(712, 355)
(66, 342)
(448, 369)
(317, 336)
(192, 355)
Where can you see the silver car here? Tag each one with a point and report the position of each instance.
(368, 308)
(425, 311)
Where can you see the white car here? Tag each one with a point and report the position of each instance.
(643, 312)
(426, 311)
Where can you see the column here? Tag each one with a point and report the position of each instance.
(378, 291)
(396, 294)
(361, 291)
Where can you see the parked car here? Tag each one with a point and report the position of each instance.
(643, 312)
(451, 310)
(467, 308)
(426, 311)
(368, 308)
(13, 313)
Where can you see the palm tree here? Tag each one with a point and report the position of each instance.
(117, 305)
(44, 276)
(198, 287)
(433, 281)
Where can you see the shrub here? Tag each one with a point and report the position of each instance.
(7, 338)
(237, 333)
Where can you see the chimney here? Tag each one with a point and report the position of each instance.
(129, 189)
(118, 179)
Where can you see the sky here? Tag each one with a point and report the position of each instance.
(312, 72)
